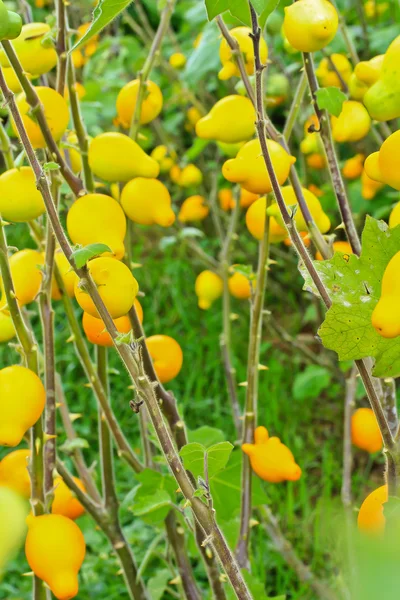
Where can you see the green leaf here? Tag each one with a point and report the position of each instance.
(82, 255)
(207, 436)
(265, 7)
(238, 8)
(158, 584)
(332, 99)
(354, 285)
(51, 166)
(193, 458)
(103, 14)
(156, 506)
(310, 383)
(76, 444)
(217, 457)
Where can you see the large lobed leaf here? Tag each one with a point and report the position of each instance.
(354, 285)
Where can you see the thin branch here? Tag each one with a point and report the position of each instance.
(61, 45)
(6, 148)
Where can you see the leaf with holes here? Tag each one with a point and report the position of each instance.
(354, 285)
(103, 14)
(82, 255)
(332, 99)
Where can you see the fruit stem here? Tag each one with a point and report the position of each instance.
(295, 107)
(5, 148)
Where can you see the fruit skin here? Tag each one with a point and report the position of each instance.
(370, 187)
(96, 332)
(310, 25)
(13, 513)
(56, 113)
(64, 502)
(71, 155)
(117, 287)
(370, 517)
(352, 124)
(386, 318)
(147, 202)
(22, 400)
(116, 157)
(394, 218)
(55, 550)
(242, 36)
(321, 219)
(14, 472)
(189, 176)
(226, 199)
(193, 115)
(247, 198)
(240, 286)
(97, 218)
(26, 275)
(167, 356)
(255, 222)
(209, 287)
(365, 432)
(353, 167)
(165, 158)
(383, 165)
(222, 122)
(249, 169)
(327, 76)
(193, 208)
(7, 330)
(20, 200)
(382, 100)
(68, 276)
(177, 60)
(127, 98)
(35, 57)
(271, 460)
(337, 247)
(12, 80)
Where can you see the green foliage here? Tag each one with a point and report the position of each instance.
(332, 99)
(154, 497)
(81, 255)
(311, 382)
(194, 456)
(103, 14)
(237, 8)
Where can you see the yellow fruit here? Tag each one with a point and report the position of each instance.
(310, 25)
(127, 98)
(96, 332)
(20, 200)
(240, 286)
(12, 80)
(190, 176)
(255, 222)
(177, 60)
(36, 54)
(13, 513)
(147, 202)
(353, 167)
(229, 66)
(223, 123)
(167, 356)
(343, 247)
(65, 503)
(383, 97)
(97, 218)
(193, 115)
(116, 285)
(394, 218)
(71, 155)
(368, 71)
(55, 550)
(365, 432)
(193, 208)
(7, 330)
(249, 169)
(383, 166)
(370, 187)
(116, 157)
(226, 199)
(314, 205)
(22, 400)
(357, 88)
(352, 124)
(327, 77)
(230, 150)
(78, 59)
(165, 158)
(26, 275)
(374, 10)
(56, 113)
(209, 287)
(386, 317)
(247, 198)
(68, 276)
(371, 518)
(14, 472)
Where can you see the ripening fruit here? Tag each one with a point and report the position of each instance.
(368, 71)
(190, 176)
(13, 513)
(36, 54)
(14, 472)
(365, 432)
(177, 60)
(71, 155)
(343, 247)
(222, 122)
(22, 400)
(371, 518)
(240, 286)
(357, 88)
(127, 98)
(56, 113)
(68, 276)
(383, 165)
(12, 80)
(147, 202)
(369, 187)
(321, 219)
(65, 503)
(247, 198)
(255, 222)
(353, 167)
(229, 66)
(310, 25)
(383, 97)
(165, 158)
(249, 169)
(209, 287)
(26, 275)
(10, 23)
(116, 157)
(167, 356)
(394, 218)
(55, 550)
(97, 218)
(96, 332)
(226, 199)
(352, 124)
(230, 150)
(327, 77)
(7, 330)
(193, 115)
(116, 285)
(193, 208)
(270, 459)
(386, 316)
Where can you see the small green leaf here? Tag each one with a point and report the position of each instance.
(191, 232)
(238, 8)
(311, 382)
(82, 255)
(218, 456)
(265, 7)
(156, 505)
(103, 14)
(332, 99)
(124, 338)
(206, 435)
(76, 444)
(158, 584)
(51, 166)
(193, 458)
